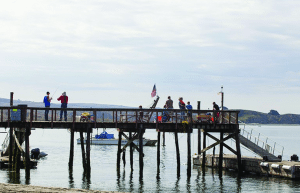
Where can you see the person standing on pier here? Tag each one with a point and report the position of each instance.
(64, 103)
(216, 108)
(181, 106)
(141, 114)
(189, 107)
(47, 100)
(169, 103)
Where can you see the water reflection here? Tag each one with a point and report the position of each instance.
(141, 187)
(13, 176)
(177, 186)
(71, 179)
(158, 183)
(86, 180)
(188, 184)
(131, 185)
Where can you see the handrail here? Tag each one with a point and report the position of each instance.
(5, 142)
(262, 141)
(112, 114)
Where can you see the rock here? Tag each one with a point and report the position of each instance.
(273, 112)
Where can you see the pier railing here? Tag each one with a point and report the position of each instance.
(262, 141)
(30, 114)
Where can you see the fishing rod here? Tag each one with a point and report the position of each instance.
(54, 92)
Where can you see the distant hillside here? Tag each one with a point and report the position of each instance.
(273, 117)
(6, 102)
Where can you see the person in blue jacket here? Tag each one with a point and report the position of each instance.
(189, 107)
(47, 100)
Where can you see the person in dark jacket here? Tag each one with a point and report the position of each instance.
(216, 108)
(64, 103)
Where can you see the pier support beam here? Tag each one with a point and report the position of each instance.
(189, 159)
(141, 154)
(82, 151)
(71, 158)
(158, 152)
(204, 146)
(88, 151)
(221, 153)
(177, 153)
(199, 132)
(11, 144)
(27, 156)
(119, 151)
(131, 152)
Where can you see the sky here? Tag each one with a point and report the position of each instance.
(113, 52)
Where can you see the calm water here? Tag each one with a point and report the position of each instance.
(53, 170)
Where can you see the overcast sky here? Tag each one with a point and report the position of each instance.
(113, 52)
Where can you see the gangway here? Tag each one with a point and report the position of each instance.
(259, 144)
(6, 143)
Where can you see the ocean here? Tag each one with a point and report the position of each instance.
(52, 171)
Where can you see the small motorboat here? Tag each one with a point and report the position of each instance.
(108, 139)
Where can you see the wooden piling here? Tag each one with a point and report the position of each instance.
(221, 153)
(141, 132)
(199, 132)
(131, 152)
(177, 153)
(189, 159)
(88, 150)
(71, 157)
(119, 151)
(158, 152)
(11, 144)
(27, 153)
(82, 151)
(204, 146)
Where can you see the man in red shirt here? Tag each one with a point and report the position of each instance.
(64, 103)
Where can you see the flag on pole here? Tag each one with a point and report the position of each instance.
(153, 93)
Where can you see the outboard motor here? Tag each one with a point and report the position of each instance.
(35, 153)
(294, 157)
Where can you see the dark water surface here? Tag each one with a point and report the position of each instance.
(53, 170)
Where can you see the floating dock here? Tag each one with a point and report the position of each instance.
(4, 162)
(288, 169)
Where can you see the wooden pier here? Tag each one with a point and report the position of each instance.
(129, 124)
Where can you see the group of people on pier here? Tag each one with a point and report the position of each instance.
(165, 117)
(182, 106)
(64, 103)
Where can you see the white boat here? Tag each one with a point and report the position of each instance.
(108, 139)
